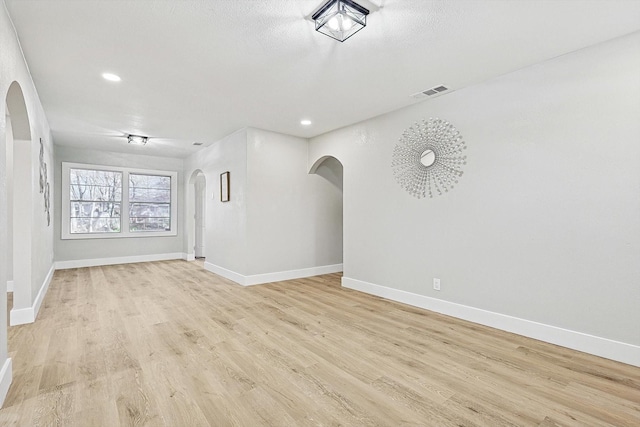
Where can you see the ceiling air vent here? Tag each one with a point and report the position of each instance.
(434, 91)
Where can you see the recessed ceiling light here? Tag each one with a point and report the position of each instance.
(111, 77)
(305, 122)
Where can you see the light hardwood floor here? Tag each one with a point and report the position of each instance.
(169, 344)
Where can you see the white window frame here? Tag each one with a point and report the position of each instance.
(124, 210)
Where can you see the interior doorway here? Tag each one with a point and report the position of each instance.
(332, 170)
(196, 216)
(8, 266)
(19, 190)
(200, 187)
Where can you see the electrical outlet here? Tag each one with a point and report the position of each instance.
(436, 283)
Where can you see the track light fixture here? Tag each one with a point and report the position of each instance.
(137, 139)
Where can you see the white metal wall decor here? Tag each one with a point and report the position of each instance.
(428, 158)
(44, 184)
(43, 177)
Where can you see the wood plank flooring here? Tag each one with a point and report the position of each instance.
(170, 344)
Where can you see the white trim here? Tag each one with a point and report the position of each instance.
(227, 274)
(9, 285)
(79, 263)
(22, 316)
(603, 347)
(6, 377)
(191, 257)
(43, 291)
(258, 279)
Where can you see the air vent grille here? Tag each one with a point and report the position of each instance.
(434, 91)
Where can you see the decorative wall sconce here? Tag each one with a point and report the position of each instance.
(428, 158)
(340, 19)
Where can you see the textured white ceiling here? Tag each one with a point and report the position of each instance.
(197, 70)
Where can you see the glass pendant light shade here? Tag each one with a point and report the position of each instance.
(340, 19)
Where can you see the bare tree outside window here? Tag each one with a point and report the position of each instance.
(103, 202)
(96, 200)
(149, 203)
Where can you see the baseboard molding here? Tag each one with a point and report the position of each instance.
(6, 376)
(258, 279)
(22, 316)
(191, 257)
(80, 263)
(10, 286)
(227, 274)
(603, 347)
(43, 292)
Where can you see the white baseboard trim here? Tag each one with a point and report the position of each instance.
(603, 347)
(43, 292)
(6, 377)
(22, 316)
(258, 279)
(191, 257)
(63, 265)
(227, 274)
(10, 286)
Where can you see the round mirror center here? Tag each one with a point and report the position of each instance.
(428, 157)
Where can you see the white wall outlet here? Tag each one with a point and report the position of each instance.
(436, 283)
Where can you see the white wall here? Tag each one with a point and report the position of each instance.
(544, 224)
(9, 188)
(24, 213)
(13, 68)
(280, 223)
(294, 218)
(86, 251)
(226, 235)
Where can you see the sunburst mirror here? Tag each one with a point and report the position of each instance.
(428, 158)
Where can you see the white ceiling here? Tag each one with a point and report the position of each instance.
(197, 70)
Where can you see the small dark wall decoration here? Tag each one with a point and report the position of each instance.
(428, 158)
(225, 187)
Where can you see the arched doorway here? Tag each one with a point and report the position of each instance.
(19, 190)
(200, 186)
(196, 213)
(332, 170)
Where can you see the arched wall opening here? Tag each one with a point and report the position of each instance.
(329, 168)
(332, 170)
(20, 209)
(8, 265)
(196, 215)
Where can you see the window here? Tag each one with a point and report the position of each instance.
(105, 201)
(96, 201)
(149, 203)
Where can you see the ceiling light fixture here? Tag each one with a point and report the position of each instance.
(111, 77)
(137, 140)
(305, 122)
(340, 19)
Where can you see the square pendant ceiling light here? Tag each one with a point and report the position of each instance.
(340, 19)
